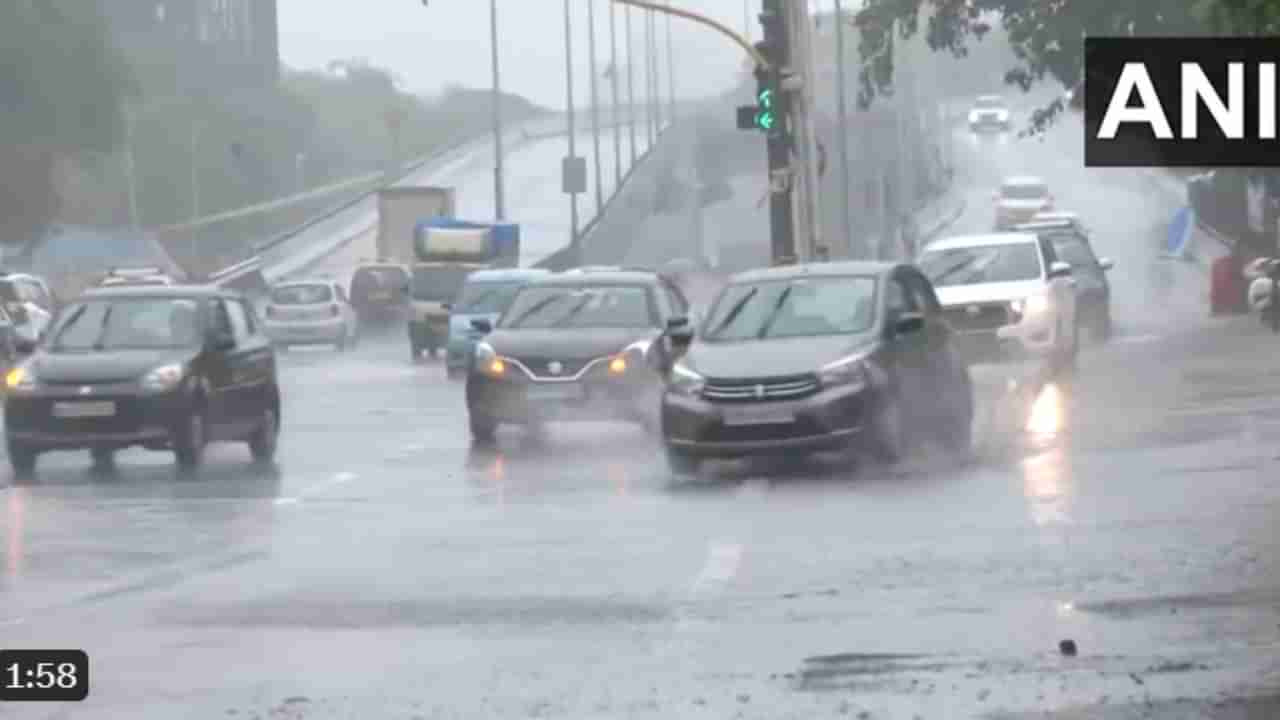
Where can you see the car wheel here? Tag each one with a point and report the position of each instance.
(955, 434)
(415, 354)
(888, 433)
(484, 429)
(681, 464)
(103, 457)
(265, 437)
(189, 441)
(22, 458)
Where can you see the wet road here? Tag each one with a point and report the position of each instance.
(385, 569)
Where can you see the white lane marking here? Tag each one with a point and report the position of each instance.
(1137, 338)
(337, 479)
(723, 560)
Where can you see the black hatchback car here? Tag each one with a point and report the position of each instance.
(380, 292)
(824, 357)
(165, 368)
(573, 346)
(1072, 245)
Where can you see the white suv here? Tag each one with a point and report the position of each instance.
(1006, 295)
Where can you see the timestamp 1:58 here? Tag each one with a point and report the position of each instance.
(44, 675)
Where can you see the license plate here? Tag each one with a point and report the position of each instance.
(555, 393)
(84, 409)
(757, 415)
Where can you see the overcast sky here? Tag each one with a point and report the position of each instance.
(448, 42)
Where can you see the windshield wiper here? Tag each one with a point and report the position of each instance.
(573, 312)
(535, 309)
(734, 312)
(773, 314)
(71, 320)
(101, 343)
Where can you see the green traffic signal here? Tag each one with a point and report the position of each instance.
(765, 98)
(765, 120)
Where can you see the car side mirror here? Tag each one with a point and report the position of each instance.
(908, 323)
(482, 325)
(1106, 263)
(1059, 269)
(219, 341)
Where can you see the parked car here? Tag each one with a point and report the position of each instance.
(838, 356)
(310, 312)
(164, 368)
(1007, 296)
(485, 295)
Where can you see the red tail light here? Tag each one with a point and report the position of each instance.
(334, 310)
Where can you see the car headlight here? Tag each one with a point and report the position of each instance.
(164, 378)
(846, 372)
(973, 117)
(1002, 116)
(631, 356)
(21, 378)
(685, 381)
(488, 362)
(1032, 305)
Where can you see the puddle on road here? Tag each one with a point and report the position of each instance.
(1164, 605)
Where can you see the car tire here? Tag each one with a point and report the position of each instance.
(681, 464)
(955, 434)
(265, 438)
(415, 354)
(103, 457)
(484, 429)
(189, 441)
(22, 458)
(888, 431)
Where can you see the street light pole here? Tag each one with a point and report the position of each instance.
(671, 71)
(613, 81)
(631, 84)
(131, 166)
(648, 77)
(842, 129)
(595, 101)
(499, 190)
(573, 145)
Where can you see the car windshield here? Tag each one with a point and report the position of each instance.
(981, 264)
(989, 103)
(302, 295)
(580, 306)
(132, 323)
(486, 297)
(437, 284)
(1024, 191)
(1074, 250)
(803, 307)
(9, 292)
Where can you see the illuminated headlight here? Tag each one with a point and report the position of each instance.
(973, 116)
(685, 381)
(848, 372)
(488, 362)
(21, 378)
(164, 378)
(1033, 305)
(1002, 116)
(631, 356)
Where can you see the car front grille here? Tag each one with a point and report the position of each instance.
(129, 417)
(978, 317)
(753, 390)
(540, 366)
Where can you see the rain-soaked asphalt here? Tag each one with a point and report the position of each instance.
(385, 569)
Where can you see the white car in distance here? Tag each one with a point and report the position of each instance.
(1006, 295)
(1020, 198)
(989, 112)
(310, 312)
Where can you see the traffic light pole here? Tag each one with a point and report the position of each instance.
(777, 49)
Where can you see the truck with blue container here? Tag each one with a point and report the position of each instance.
(446, 251)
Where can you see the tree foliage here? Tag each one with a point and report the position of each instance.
(1046, 35)
(61, 90)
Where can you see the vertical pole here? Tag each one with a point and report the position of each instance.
(842, 130)
(613, 81)
(595, 101)
(648, 76)
(746, 19)
(631, 84)
(781, 208)
(573, 144)
(671, 72)
(499, 191)
(131, 167)
(195, 170)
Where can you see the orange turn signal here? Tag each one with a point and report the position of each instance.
(497, 367)
(618, 365)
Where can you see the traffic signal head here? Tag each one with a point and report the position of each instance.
(766, 116)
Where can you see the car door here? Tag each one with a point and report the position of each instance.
(220, 389)
(1091, 279)
(348, 312)
(252, 365)
(937, 334)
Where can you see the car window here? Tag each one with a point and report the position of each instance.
(802, 307)
(250, 316)
(581, 306)
(1024, 191)
(302, 294)
(920, 294)
(679, 303)
(142, 323)
(342, 294)
(982, 264)
(1074, 250)
(239, 321)
(221, 322)
(666, 308)
(486, 297)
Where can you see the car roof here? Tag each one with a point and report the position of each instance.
(964, 241)
(161, 291)
(304, 282)
(821, 269)
(1056, 215)
(998, 98)
(507, 274)
(598, 277)
(1040, 225)
(1023, 180)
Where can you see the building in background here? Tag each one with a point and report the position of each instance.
(186, 46)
